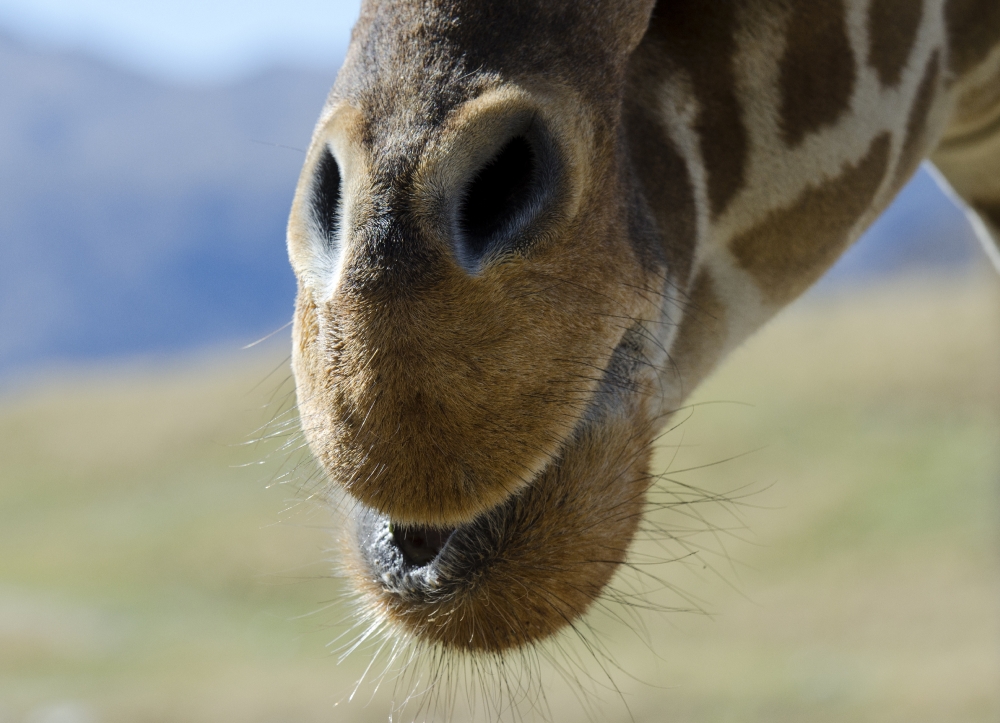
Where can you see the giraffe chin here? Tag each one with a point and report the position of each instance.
(519, 572)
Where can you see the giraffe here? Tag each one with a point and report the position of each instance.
(525, 231)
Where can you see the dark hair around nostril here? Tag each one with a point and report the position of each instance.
(497, 194)
(419, 545)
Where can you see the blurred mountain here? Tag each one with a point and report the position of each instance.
(138, 217)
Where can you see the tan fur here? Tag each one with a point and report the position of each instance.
(464, 350)
(692, 170)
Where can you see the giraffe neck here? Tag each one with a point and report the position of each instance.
(795, 124)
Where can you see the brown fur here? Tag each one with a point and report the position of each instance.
(405, 346)
(514, 396)
(818, 69)
(682, 37)
(973, 31)
(892, 31)
(661, 175)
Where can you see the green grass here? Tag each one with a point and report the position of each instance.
(149, 572)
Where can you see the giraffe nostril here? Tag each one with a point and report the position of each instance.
(419, 545)
(326, 198)
(498, 196)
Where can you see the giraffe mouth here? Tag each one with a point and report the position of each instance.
(421, 564)
(416, 564)
(522, 570)
(420, 545)
(428, 565)
(514, 575)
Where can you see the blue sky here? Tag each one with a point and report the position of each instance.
(190, 41)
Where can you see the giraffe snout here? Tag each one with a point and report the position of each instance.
(434, 316)
(460, 326)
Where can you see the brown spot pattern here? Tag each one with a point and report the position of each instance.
(659, 170)
(915, 142)
(703, 45)
(792, 247)
(892, 31)
(973, 30)
(818, 69)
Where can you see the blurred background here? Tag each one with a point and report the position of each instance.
(160, 559)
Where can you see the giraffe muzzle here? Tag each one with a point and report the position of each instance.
(470, 368)
(521, 570)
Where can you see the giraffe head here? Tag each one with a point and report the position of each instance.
(483, 310)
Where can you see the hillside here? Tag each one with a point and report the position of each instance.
(137, 216)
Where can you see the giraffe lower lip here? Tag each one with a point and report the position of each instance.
(420, 545)
(416, 562)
